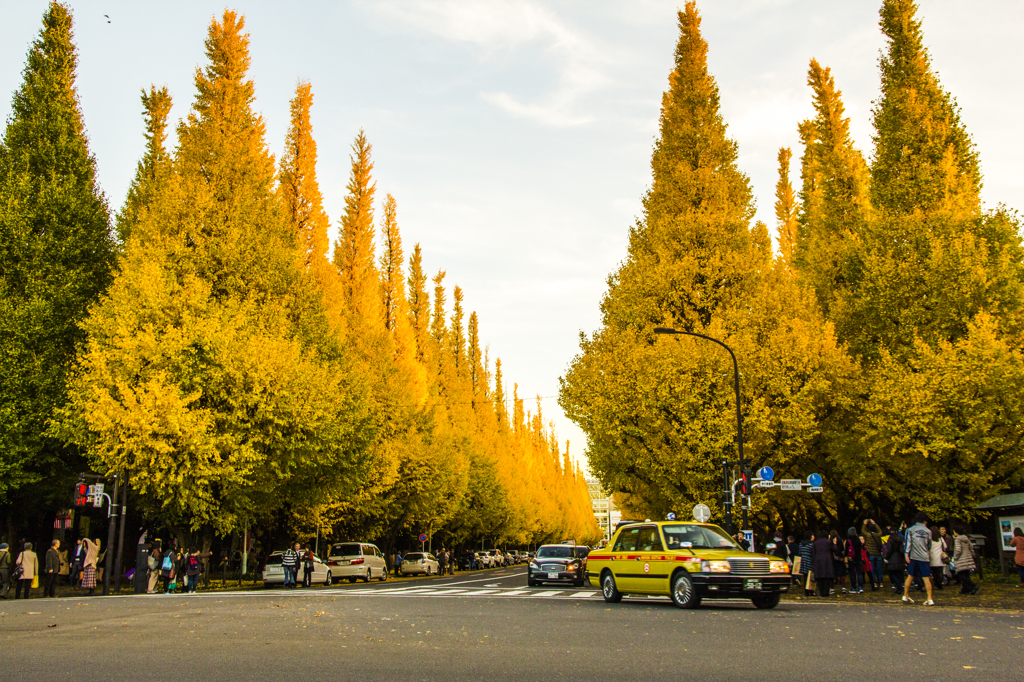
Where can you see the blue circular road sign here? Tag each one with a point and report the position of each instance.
(423, 537)
(814, 480)
(766, 473)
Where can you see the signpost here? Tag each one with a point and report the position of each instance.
(815, 489)
(423, 539)
(791, 484)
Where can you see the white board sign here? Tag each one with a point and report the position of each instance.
(766, 484)
(815, 489)
(791, 484)
(1006, 526)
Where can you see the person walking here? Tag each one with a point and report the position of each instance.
(29, 569)
(92, 557)
(873, 545)
(935, 558)
(821, 564)
(5, 570)
(51, 569)
(398, 563)
(855, 561)
(806, 549)
(1017, 542)
(915, 551)
(441, 561)
(893, 553)
(780, 550)
(290, 565)
(948, 548)
(963, 559)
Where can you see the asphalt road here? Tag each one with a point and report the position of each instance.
(489, 626)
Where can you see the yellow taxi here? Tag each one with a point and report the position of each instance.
(688, 562)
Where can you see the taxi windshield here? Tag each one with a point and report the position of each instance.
(692, 536)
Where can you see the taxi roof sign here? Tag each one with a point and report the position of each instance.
(701, 513)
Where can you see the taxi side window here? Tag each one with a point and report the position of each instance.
(627, 540)
(648, 540)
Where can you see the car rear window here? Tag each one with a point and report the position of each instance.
(413, 557)
(273, 559)
(347, 549)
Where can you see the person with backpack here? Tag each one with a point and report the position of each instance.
(290, 564)
(25, 569)
(169, 567)
(193, 564)
(873, 544)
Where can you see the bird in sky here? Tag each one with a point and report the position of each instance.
(108, 17)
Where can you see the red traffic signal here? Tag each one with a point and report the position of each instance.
(81, 495)
(745, 488)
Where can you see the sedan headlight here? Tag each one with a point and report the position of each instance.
(534, 564)
(778, 567)
(714, 567)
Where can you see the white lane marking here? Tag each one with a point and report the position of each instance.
(478, 580)
(583, 595)
(546, 593)
(515, 593)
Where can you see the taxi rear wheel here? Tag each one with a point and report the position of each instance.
(684, 595)
(608, 588)
(767, 601)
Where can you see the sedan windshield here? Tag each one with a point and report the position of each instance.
(692, 536)
(554, 552)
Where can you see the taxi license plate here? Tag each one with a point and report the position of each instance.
(553, 576)
(751, 584)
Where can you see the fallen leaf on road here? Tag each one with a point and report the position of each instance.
(976, 637)
(52, 626)
(968, 667)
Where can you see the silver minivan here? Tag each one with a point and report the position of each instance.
(357, 561)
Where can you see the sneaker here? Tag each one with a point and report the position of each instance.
(975, 590)
(908, 600)
(929, 603)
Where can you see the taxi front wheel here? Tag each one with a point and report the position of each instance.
(683, 593)
(609, 590)
(767, 601)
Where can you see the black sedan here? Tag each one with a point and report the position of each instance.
(556, 564)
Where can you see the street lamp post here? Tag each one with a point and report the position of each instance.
(736, 385)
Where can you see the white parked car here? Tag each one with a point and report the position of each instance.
(497, 558)
(484, 560)
(357, 561)
(273, 572)
(420, 562)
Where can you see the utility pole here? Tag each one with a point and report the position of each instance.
(108, 567)
(120, 535)
(739, 415)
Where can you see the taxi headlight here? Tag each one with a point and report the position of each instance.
(778, 567)
(714, 567)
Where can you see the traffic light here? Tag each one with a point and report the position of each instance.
(745, 488)
(81, 496)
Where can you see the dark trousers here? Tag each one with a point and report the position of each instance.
(937, 577)
(25, 583)
(856, 577)
(897, 578)
(966, 585)
(307, 575)
(876, 571)
(824, 587)
(50, 588)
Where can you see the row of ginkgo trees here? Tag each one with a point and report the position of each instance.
(880, 346)
(234, 369)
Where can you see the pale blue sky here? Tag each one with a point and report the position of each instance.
(516, 135)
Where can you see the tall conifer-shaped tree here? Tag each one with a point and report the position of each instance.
(835, 203)
(924, 159)
(299, 191)
(155, 164)
(211, 375)
(419, 304)
(354, 250)
(786, 208)
(56, 256)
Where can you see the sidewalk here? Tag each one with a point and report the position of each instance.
(996, 592)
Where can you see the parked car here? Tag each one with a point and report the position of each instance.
(357, 561)
(273, 572)
(420, 562)
(555, 564)
(497, 557)
(513, 557)
(484, 560)
(464, 561)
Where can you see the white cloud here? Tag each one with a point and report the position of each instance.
(495, 26)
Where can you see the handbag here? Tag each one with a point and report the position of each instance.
(35, 580)
(18, 570)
